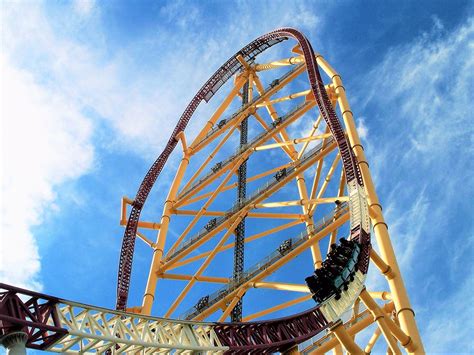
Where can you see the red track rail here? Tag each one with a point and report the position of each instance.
(32, 313)
(280, 333)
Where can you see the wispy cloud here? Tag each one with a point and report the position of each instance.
(84, 7)
(45, 141)
(419, 107)
(61, 78)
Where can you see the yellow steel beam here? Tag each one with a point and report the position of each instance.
(302, 202)
(293, 141)
(394, 329)
(286, 258)
(281, 286)
(328, 342)
(276, 308)
(203, 209)
(338, 350)
(201, 278)
(279, 63)
(328, 178)
(209, 158)
(202, 268)
(345, 339)
(145, 239)
(373, 339)
(315, 251)
(234, 185)
(239, 83)
(284, 98)
(245, 154)
(385, 269)
(141, 224)
(383, 295)
(158, 249)
(232, 304)
(123, 210)
(317, 175)
(405, 313)
(251, 109)
(380, 318)
(251, 214)
(201, 186)
(231, 245)
(274, 136)
(273, 114)
(313, 131)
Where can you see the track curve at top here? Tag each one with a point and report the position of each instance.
(241, 336)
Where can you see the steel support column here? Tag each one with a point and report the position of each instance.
(236, 315)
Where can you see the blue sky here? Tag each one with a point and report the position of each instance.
(91, 91)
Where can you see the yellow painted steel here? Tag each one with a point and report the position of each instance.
(264, 195)
(405, 313)
(231, 245)
(302, 202)
(280, 286)
(345, 339)
(141, 224)
(218, 113)
(385, 269)
(380, 318)
(158, 251)
(274, 136)
(286, 258)
(300, 180)
(293, 141)
(276, 308)
(373, 339)
(197, 144)
(168, 276)
(279, 63)
(337, 350)
(340, 192)
(208, 159)
(273, 114)
(233, 185)
(284, 98)
(244, 155)
(203, 267)
(232, 169)
(328, 342)
(395, 330)
(232, 304)
(384, 295)
(145, 239)
(402, 328)
(313, 131)
(251, 214)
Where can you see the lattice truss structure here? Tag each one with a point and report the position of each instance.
(297, 205)
(307, 185)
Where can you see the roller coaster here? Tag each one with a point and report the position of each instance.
(243, 175)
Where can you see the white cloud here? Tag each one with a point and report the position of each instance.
(84, 7)
(45, 141)
(430, 81)
(451, 326)
(362, 128)
(49, 78)
(424, 90)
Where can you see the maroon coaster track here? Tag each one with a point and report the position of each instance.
(229, 68)
(278, 334)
